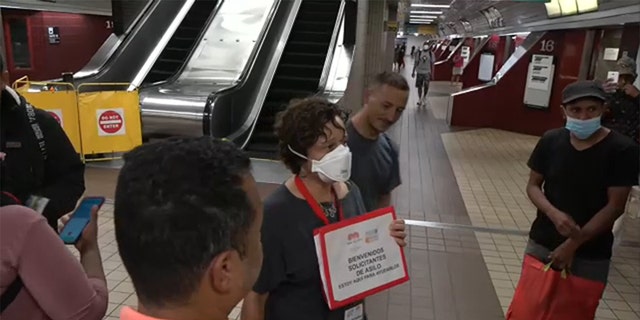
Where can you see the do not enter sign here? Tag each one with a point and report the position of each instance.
(110, 122)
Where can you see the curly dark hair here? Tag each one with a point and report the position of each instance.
(300, 126)
(179, 202)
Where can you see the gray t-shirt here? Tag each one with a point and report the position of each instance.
(375, 167)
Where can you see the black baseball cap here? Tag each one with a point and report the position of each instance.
(583, 89)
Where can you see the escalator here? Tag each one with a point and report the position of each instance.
(299, 70)
(183, 42)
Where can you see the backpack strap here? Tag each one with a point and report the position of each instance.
(35, 126)
(9, 295)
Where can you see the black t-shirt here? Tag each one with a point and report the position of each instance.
(290, 272)
(576, 183)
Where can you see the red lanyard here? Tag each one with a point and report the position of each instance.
(314, 204)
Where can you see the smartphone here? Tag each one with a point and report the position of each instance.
(614, 76)
(79, 219)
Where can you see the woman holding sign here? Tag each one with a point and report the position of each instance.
(313, 146)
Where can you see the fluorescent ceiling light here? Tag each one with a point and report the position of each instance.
(423, 17)
(419, 5)
(421, 21)
(568, 7)
(426, 12)
(587, 5)
(553, 9)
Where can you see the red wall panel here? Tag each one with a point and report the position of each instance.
(80, 37)
(502, 107)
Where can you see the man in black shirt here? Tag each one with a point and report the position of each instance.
(36, 156)
(580, 178)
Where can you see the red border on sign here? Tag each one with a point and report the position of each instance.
(333, 304)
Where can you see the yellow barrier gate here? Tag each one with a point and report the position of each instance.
(57, 98)
(109, 119)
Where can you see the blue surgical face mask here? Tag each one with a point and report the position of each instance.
(583, 129)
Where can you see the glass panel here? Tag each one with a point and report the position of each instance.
(228, 43)
(20, 44)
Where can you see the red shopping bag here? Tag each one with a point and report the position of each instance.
(546, 294)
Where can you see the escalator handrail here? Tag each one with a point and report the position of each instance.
(164, 40)
(122, 42)
(332, 48)
(250, 122)
(178, 72)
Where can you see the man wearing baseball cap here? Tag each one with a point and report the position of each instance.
(624, 102)
(587, 171)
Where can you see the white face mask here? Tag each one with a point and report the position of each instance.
(335, 166)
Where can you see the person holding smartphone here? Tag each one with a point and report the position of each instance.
(623, 103)
(40, 278)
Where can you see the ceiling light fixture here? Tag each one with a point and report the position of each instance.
(425, 12)
(419, 5)
(423, 17)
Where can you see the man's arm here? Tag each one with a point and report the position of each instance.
(63, 170)
(604, 219)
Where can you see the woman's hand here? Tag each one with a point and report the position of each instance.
(397, 231)
(89, 238)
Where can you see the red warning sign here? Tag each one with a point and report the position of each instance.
(110, 122)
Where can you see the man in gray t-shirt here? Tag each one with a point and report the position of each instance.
(375, 166)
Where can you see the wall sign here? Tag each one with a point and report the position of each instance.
(539, 81)
(54, 35)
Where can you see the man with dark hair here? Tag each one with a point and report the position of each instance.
(580, 178)
(624, 102)
(36, 157)
(187, 222)
(375, 165)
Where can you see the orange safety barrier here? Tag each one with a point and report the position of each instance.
(57, 98)
(110, 120)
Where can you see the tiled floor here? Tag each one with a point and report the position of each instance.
(472, 178)
(490, 167)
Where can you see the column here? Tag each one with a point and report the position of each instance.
(372, 54)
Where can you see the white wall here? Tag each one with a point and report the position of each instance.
(97, 7)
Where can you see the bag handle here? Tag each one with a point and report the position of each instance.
(563, 274)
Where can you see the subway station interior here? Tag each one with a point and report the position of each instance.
(225, 68)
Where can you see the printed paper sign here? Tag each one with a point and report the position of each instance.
(358, 258)
(57, 114)
(110, 122)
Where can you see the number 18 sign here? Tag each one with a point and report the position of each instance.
(359, 258)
